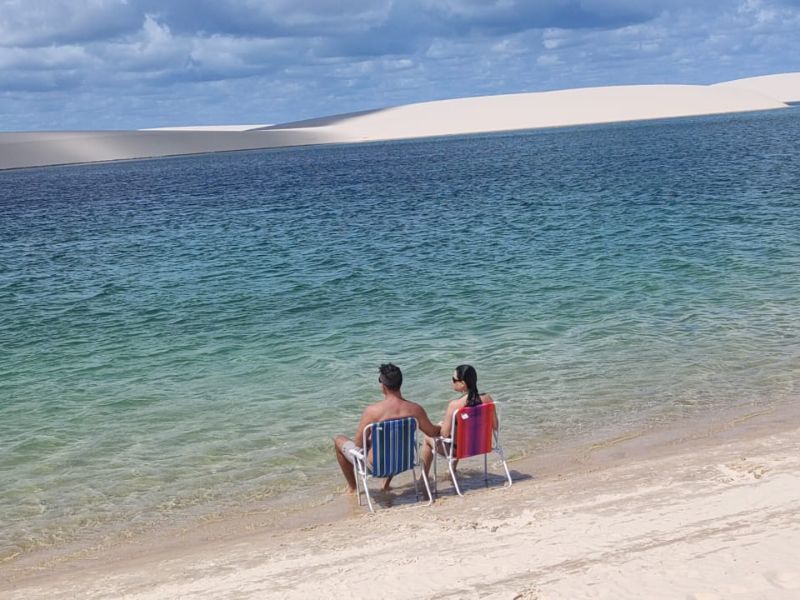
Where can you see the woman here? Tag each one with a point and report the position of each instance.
(465, 381)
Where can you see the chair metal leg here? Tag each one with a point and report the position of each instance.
(416, 485)
(435, 474)
(453, 477)
(357, 476)
(366, 493)
(499, 450)
(427, 487)
(360, 472)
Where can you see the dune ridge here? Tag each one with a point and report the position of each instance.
(483, 114)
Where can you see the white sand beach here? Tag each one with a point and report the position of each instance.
(705, 510)
(460, 116)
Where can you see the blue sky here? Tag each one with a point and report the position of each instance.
(123, 64)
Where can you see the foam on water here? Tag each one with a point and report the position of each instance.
(187, 334)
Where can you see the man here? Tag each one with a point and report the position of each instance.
(393, 406)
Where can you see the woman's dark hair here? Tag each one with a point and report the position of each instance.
(469, 376)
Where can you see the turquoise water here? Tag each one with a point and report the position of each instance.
(184, 336)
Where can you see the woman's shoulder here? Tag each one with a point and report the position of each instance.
(458, 402)
(487, 399)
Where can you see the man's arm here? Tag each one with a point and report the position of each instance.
(366, 419)
(425, 424)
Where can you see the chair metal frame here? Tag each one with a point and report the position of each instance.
(448, 449)
(363, 471)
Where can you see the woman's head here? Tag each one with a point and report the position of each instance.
(465, 379)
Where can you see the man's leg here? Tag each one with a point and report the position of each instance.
(344, 462)
(426, 454)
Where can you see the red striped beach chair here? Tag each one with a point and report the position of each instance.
(472, 433)
(394, 450)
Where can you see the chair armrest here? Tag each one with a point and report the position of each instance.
(359, 454)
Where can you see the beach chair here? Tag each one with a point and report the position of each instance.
(394, 450)
(471, 434)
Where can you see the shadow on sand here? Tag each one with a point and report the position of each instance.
(470, 480)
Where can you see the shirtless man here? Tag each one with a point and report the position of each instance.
(393, 406)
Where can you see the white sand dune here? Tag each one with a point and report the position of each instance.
(209, 128)
(784, 87)
(545, 109)
(709, 514)
(35, 149)
(445, 117)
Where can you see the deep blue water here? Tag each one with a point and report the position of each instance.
(189, 333)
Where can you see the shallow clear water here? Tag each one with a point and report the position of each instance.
(191, 332)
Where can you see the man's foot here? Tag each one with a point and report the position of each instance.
(387, 485)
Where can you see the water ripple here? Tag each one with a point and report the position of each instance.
(186, 334)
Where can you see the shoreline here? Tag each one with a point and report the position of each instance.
(322, 499)
(587, 470)
(315, 499)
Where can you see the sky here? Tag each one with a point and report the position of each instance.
(128, 64)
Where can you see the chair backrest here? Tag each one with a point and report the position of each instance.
(473, 429)
(394, 445)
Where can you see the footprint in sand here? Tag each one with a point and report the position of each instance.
(785, 580)
(741, 470)
(527, 594)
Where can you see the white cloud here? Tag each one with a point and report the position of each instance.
(43, 59)
(31, 23)
(152, 49)
(548, 60)
(553, 38)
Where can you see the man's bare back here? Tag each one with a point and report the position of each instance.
(393, 406)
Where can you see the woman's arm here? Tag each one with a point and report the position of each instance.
(448, 416)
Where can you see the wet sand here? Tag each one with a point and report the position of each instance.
(703, 508)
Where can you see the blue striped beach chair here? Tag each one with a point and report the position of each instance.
(394, 450)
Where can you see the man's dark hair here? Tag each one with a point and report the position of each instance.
(390, 376)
